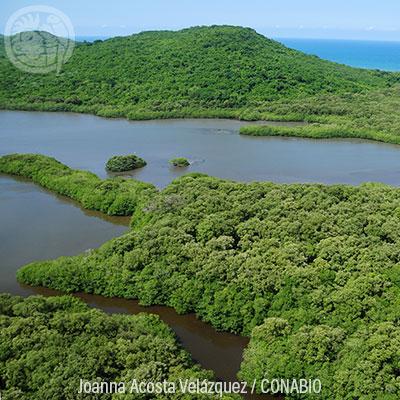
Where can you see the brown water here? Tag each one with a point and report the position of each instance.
(218, 351)
(36, 225)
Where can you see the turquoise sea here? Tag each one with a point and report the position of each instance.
(357, 53)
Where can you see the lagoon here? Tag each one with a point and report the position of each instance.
(212, 146)
(36, 224)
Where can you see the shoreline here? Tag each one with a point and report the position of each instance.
(240, 114)
(304, 127)
(314, 131)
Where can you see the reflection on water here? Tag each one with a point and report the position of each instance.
(39, 225)
(86, 142)
(36, 225)
(220, 352)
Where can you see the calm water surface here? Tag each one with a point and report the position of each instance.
(356, 53)
(36, 224)
(214, 147)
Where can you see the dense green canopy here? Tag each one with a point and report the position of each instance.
(115, 196)
(311, 272)
(47, 345)
(221, 71)
(179, 162)
(124, 163)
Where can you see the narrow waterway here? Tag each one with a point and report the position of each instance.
(38, 225)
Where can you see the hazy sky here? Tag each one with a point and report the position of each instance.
(352, 19)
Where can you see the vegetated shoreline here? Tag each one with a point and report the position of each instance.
(114, 196)
(307, 269)
(316, 131)
(123, 220)
(312, 129)
(213, 72)
(109, 112)
(103, 341)
(311, 270)
(119, 305)
(28, 174)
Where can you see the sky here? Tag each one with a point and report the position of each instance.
(334, 19)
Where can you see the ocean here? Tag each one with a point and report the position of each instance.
(356, 53)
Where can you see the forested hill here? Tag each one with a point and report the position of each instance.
(201, 68)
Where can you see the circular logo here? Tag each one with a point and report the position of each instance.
(39, 39)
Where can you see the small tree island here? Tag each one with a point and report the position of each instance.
(124, 163)
(180, 162)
